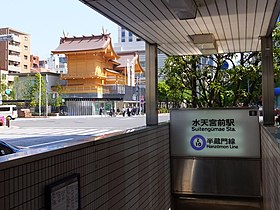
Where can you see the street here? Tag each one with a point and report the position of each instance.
(41, 132)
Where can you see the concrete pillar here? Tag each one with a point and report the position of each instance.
(151, 84)
(267, 80)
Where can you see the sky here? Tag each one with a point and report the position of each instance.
(46, 21)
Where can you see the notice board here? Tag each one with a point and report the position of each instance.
(64, 194)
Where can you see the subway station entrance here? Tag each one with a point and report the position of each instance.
(208, 168)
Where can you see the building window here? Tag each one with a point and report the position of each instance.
(143, 64)
(25, 66)
(25, 57)
(25, 38)
(25, 47)
(138, 39)
(123, 36)
(130, 36)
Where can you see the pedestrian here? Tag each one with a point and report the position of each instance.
(123, 111)
(134, 111)
(128, 110)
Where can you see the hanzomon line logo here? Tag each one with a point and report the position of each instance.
(198, 142)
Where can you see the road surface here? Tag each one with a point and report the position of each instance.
(40, 132)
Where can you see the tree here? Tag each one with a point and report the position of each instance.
(4, 86)
(208, 84)
(29, 88)
(57, 101)
(176, 80)
(163, 93)
(276, 53)
(246, 79)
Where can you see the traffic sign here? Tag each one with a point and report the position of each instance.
(8, 91)
(225, 65)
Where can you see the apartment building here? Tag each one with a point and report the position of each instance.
(15, 53)
(57, 64)
(34, 61)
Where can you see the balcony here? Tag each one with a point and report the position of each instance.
(108, 91)
(79, 89)
(16, 39)
(77, 75)
(14, 48)
(14, 58)
(14, 68)
(113, 89)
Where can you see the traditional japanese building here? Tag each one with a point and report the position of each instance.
(97, 77)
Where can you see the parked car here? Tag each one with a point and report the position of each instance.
(2, 120)
(9, 111)
(6, 148)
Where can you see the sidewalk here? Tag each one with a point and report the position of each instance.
(5, 127)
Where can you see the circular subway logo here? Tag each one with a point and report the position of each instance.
(198, 142)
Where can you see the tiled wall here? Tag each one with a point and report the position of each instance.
(129, 171)
(270, 169)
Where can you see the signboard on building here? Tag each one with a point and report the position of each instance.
(215, 133)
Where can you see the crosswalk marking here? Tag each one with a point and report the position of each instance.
(36, 132)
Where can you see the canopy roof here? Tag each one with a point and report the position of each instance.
(188, 27)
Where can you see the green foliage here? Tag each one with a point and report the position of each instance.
(3, 87)
(163, 110)
(57, 100)
(196, 84)
(276, 54)
(30, 90)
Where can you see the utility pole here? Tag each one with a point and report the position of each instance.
(40, 93)
(46, 94)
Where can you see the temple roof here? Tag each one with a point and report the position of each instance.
(131, 57)
(84, 43)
